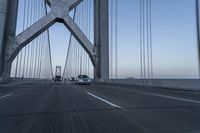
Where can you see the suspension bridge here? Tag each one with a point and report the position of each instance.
(31, 102)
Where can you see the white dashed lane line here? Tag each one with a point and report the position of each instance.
(105, 101)
(175, 98)
(170, 97)
(1, 97)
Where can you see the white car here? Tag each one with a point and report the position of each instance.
(83, 80)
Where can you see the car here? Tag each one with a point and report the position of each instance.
(83, 80)
(72, 80)
(58, 78)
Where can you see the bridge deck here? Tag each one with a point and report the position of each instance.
(47, 107)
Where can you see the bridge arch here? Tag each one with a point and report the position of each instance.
(54, 16)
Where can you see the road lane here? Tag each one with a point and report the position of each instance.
(171, 92)
(138, 96)
(40, 107)
(164, 114)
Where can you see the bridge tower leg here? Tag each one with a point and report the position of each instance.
(8, 21)
(101, 39)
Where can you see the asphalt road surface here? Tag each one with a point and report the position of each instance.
(47, 107)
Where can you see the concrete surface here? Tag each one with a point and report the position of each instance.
(8, 22)
(101, 39)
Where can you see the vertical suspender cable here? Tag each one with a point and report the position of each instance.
(16, 68)
(49, 45)
(149, 40)
(151, 44)
(41, 46)
(141, 41)
(143, 36)
(19, 56)
(21, 53)
(41, 55)
(146, 40)
(84, 30)
(33, 43)
(147, 44)
(116, 38)
(36, 42)
(198, 31)
(111, 39)
(25, 48)
(69, 46)
(89, 34)
(75, 56)
(78, 70)
(86, 33)
(30, 44)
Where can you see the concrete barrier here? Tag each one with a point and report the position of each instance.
(183, 84)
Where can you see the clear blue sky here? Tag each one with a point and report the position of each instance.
(174, 39)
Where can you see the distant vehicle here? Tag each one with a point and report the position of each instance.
(72, 80)
(58, 78)
(83, 80)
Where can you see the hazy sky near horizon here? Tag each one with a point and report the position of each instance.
(173, 34)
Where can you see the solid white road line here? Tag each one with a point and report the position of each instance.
(112, 104)
(169, 97)
(6, 96)
(181, 91)
(176, 98)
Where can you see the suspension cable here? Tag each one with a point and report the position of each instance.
(70, 43)
(147, 44)
(37, 43)
(141, 41)
(23, 23)
(150, 36)
(30, 44)
(49, 44)
(33, 43)
(144, 42)
(198, 31)
(116, 38)
(111, 39)
(89, 34)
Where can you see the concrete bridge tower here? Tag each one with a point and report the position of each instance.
(8, 21)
